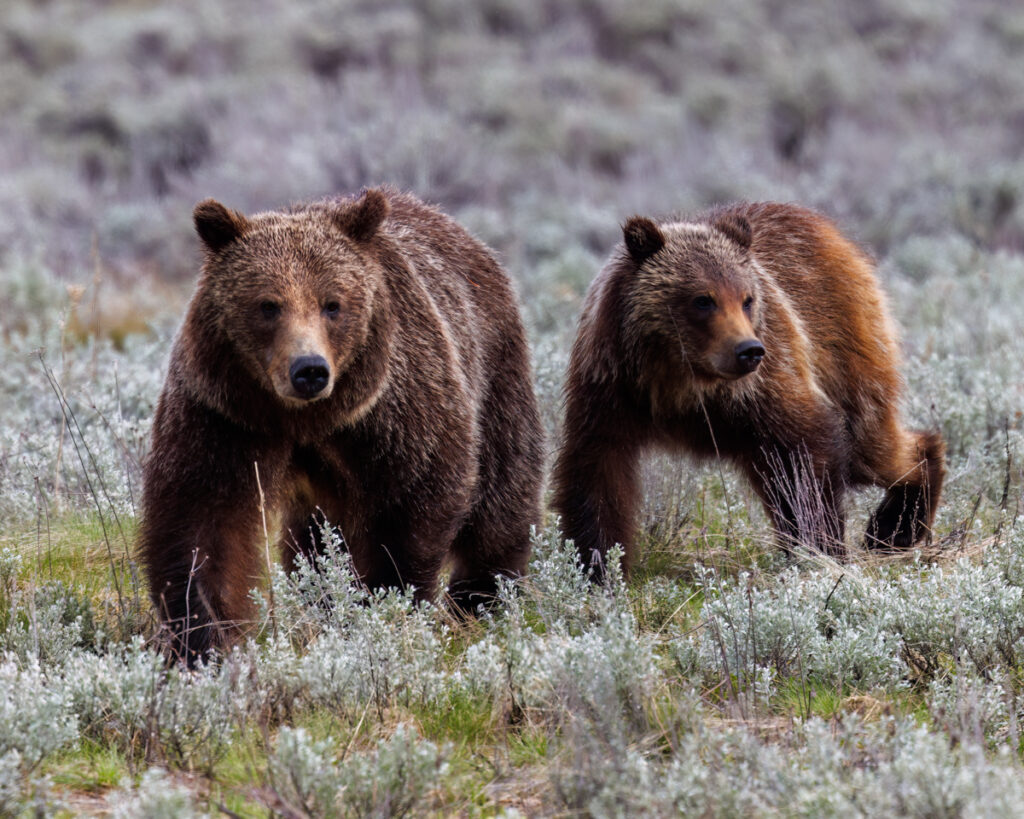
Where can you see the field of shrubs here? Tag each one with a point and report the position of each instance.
(721, 679)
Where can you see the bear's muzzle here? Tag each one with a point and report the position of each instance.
(309, 375)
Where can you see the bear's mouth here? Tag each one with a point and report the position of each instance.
(296, 402)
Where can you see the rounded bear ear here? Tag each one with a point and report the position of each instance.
(643, 238)
(735, 227)
(217, 225)
(361, 220)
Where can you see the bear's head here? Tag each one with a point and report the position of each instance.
(293, 292)
(696, 287)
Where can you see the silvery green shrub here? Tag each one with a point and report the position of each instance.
(330, 642)
(319, 594)
(810, 626)
(864, 628)
(53, 621)
(973, 612)
(36, 717)
(603, 675)
(129, 696)
(891, 767)
(390, 652)
(12, 783)
(973, 709)
(45, 620)
(304, 774)
(598, 781)
(115, 694)
(310, 780)
(74, 441)
(558, 588)
(565, 647)
(156, 796)
(195, 714)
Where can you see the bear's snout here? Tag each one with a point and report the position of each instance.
(749, 353)
(309, 375)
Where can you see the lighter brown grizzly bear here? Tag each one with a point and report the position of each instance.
(758, 334)
(367, 355)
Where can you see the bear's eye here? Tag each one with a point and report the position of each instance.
(270, 309)
(704, 303)
(748, 303)
(332, 309)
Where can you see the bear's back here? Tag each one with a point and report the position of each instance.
(459, 277)
(830, 283)
(451, 264)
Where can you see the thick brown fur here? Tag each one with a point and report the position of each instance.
(656, 363)
(424, 445)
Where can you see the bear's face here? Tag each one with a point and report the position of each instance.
(697, 287)
(293, 292)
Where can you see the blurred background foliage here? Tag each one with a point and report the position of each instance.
(541, 124)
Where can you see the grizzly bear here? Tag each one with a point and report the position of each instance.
(757, 334)
(360, 362)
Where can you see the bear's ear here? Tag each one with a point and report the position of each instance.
(643, 238)
(362, 219)
(736, 227)
(217, 225)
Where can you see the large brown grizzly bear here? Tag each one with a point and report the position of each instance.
(758, 334)
(368, 356)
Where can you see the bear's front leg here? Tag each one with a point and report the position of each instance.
(596, 479)
(409, 526)
(802, 483)
(200, 585)
(202, 526)
(404, 550)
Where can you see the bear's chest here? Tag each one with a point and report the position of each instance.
(710, 431)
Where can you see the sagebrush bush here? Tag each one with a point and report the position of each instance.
(115, 694)
(798, 627)
(337, 645)
(36, 717)
(862, 629)
(156, 796)
(308, 778)
(849, 768)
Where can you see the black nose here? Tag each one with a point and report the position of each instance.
(749, 354)
(309, 375)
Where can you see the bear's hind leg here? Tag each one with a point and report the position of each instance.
(913, 481)
(495, 538)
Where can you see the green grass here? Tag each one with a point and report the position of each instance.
(806, 699)
(92, 768)
(74, 545)
(78, 551)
